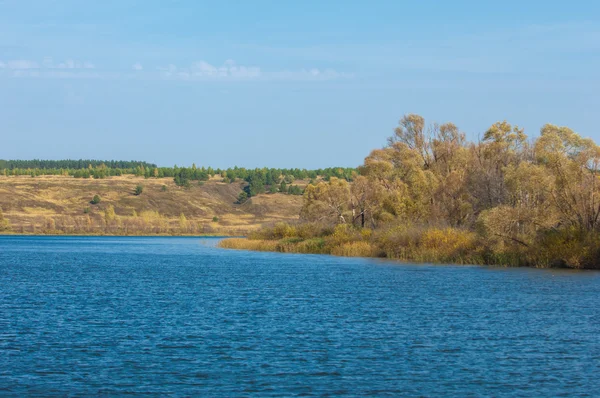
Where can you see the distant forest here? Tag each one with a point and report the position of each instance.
(260, 180)
(71, 164)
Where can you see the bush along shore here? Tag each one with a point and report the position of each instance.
(423, 245)
(432, 196)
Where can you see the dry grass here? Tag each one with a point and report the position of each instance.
(248, 244)
(355, 249)
(29, 203)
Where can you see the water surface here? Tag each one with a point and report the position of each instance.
(109, 316)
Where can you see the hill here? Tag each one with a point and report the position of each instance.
(62, 204)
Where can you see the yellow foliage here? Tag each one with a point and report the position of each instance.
(248, 244)
(343, 233)
(283, 230)
(448, 242)
(355, 249)
(312, 246)
(109, 213)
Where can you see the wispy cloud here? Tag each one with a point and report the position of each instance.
(310, 74)
(196, 72)
(18, 64)
(47, 68)
(203, 70)
(47, 63)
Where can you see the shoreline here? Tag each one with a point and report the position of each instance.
(124, 235)
(280, 246)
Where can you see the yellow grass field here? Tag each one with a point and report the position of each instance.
(61, 205)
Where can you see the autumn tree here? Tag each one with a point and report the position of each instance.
(4, 223)
(327, 201)
(573, 162)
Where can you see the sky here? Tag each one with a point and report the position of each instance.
(305, 84)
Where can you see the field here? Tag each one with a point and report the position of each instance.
(62, 205)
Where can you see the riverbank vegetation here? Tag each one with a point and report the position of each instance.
(432, 196)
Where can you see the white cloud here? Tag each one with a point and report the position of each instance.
(48, 68)
(202, 70)
(19, 64)
(48, 63)
(310, 74)
(198, 71)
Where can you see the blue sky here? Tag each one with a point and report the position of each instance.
(284, 84)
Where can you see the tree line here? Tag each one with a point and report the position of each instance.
(259, 180)
(71, 164)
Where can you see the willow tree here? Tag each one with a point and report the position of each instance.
(573, 163)
(327, 201)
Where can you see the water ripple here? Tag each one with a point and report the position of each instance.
(177, 316)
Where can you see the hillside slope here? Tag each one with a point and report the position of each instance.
(57, 204)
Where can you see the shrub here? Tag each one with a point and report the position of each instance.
(4, 223)
(283, 230)
(163, 188)
(95, 200)
(139, 189)
(215, 219)
(569, 247)
(312, 229)
(448, 244)
(312, 246)
(288, 245)
(355, 249)
(242, 197)
(344, 233)
(248, 244)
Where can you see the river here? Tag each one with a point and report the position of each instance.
(179, 316)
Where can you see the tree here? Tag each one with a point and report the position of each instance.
(242, 197)
(326, 201)
(574, 164)
(182, 177)
(4, 223)
(139, 189)
(109, 214)
(183, 223)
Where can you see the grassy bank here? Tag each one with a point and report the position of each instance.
(423, 245)
(59, 205)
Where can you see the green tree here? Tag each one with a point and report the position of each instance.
(242, 197)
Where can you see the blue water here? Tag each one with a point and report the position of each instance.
(178, 316)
